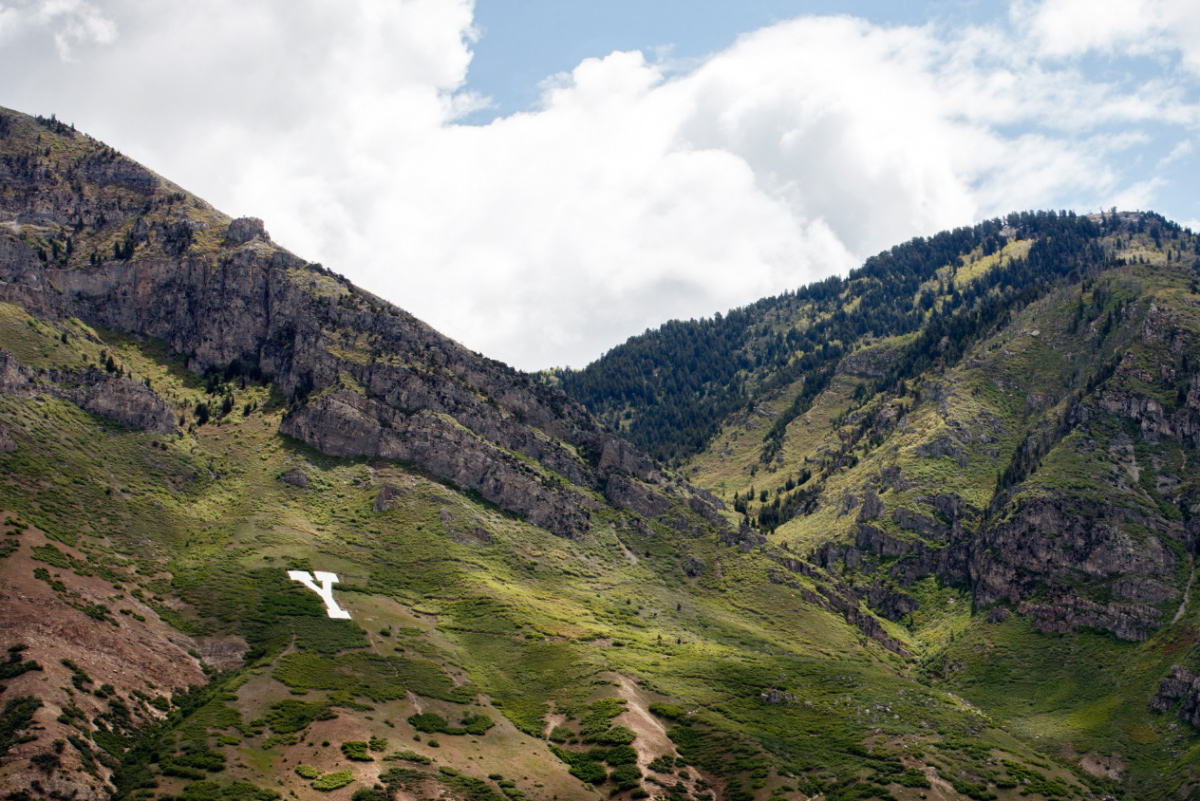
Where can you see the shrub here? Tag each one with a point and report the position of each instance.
(662, 764)
(333, 781)
(307, 772)
(590, 772)
(356, 750)
(626, 777)
(668, 711)
(915, 778)
(617, 735)
(286, 717)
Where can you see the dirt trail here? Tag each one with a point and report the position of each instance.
(1186, 593)
(553, 720)
(633, 560)
(940, 789)
(652, 738)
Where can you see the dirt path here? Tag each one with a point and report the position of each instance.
(630, 555)
(552, 720)
(652, 738)
(1186, 593)
(940, 789)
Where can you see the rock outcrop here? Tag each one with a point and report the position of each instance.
(114, 397)
(417, 395)
(124, 400)
(1180, 692)
(1047, 538)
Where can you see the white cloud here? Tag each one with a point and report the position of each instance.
(634, 193)
(70, 23)
(1136, 27)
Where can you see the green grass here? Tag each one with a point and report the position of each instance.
(528, 623)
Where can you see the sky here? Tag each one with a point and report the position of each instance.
(541, 180)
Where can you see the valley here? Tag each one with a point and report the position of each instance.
(925, 532)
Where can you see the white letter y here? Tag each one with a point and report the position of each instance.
(325, 590)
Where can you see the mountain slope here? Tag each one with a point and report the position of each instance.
(1031, 449)
(538, 610)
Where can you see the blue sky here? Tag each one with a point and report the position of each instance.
(524, 41)
(541, 180)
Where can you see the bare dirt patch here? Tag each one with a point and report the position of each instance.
(1102, 767)
(144, 655)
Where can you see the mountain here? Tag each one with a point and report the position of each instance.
(923, 533)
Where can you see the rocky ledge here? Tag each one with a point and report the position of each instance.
(114, 397)
(1180, 692)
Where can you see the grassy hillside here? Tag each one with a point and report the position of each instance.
(458, 610)
(1056, 409)
(955, 558)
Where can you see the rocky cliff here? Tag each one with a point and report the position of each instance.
(88, 234)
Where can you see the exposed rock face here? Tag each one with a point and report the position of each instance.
(891, 604)
(116, 398)
(1180, 691)
(777, 697)
(1131, 622)
(224, 653)
(1019, 559)
(423, 397)
(872, 507)
(629, 494)
(1047, 538)
(345, 423)
(121, 399)
(387, 497)
(15, 380)
(245, 229)
(296, 477)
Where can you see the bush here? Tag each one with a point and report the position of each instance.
(626, 777)
(238, 791)
(662, 764)
(560, 734)
(307, 772)
(432, 723)
(356, 751)
(45, 762)
(333, 781)
(668, 711)
(617, 735)
(590, 772)
(291, 716)
(408, 756)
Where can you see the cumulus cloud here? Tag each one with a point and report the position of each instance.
(1137, 27)
(636, 191)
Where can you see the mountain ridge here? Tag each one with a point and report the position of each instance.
(947, 556)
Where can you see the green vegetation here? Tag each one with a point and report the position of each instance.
(286, 717)
(433, 723)
(356, 751)
(333, 781)
(15, 665)
(17, 714)
(959, 486)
